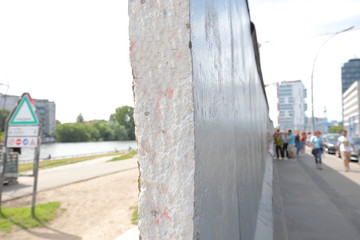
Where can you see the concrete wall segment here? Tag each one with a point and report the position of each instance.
(161, 63)
(231, 114)
(201, 120)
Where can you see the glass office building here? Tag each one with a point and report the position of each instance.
(350, 72)
(291, 105)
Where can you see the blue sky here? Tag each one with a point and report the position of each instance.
(291, 33)
(75, 52)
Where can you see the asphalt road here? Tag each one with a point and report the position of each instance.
(67, 174)
(316, 204)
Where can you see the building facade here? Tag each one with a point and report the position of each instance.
(46, 112)
(351, 113)
(291, 105)
(350, 72)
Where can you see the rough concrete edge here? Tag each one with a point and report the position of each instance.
(160, 57)
(264, 224)
(279, 228)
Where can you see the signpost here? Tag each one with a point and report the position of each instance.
(23, 130)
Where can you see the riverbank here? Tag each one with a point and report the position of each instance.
(23, 167)
(78, 149)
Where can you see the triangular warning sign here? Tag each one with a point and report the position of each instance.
(24, 113)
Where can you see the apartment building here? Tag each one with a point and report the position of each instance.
(291, 105)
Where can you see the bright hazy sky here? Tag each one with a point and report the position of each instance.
(75, 52)
(292, 32)
(72, 52)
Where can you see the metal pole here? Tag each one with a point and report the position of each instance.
(4, 163)
(4, 152)
(36, 173)
(312, 74)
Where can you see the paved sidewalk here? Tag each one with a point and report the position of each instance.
(67, 174)
(312, 204)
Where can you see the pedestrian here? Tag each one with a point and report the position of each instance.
(285, 144)
(291, 144)
(345, 145)
(316, 143)
(278, 141)
(303, 141)
(297, 142)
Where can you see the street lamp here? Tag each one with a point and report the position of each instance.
(312, 74)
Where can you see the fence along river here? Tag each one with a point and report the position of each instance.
(69, 150)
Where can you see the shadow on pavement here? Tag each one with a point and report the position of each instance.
(314, 204)
(55, 235)
(14, 187)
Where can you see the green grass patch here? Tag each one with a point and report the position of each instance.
(135, 216)
(127, 155)
(22, 218)
(24, 167)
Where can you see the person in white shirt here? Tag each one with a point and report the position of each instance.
(345, 145)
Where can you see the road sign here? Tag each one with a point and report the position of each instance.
(23, 131)
(25, 112)
(21, 142)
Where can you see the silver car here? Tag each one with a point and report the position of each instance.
(330, 142)
(356, 153)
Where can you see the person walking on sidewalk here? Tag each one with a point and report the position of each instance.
(297, 142)
(345, 145)
(316, 143)
(285, 144)
(278, 141)
(291, 145)
(302, 142)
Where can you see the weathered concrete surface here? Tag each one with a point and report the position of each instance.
(201, 121)
(164, 116)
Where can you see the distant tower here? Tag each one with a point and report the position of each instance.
(350, 72)
(292, 105)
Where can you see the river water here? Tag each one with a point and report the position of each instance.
(67, 150)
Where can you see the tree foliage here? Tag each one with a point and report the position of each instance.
(3, 115)
(336, 128)
(125, 117)
(80, 118)
(72, 132)
(120, 127)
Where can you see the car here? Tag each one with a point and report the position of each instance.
(356, 153)
(330, 142)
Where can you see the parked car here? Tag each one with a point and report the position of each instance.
(356, 153)
(330, 141)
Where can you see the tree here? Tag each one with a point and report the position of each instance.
(72, 132)
(94, 133)
(336, 128)
(3, 115)
(120, 132)
(125, 117)
(80, 118)
(106, 133)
